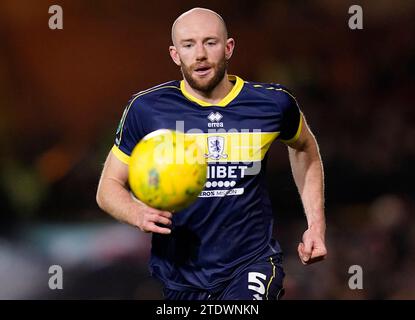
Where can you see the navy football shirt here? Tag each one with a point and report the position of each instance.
(230, 225)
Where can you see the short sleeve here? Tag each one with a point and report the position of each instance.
(129, 132)
(291, 122)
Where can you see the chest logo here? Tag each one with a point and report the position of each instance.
(216, 147)
(215, 118)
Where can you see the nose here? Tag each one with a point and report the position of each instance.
(200, 52)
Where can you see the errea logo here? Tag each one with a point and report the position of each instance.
(214, 118)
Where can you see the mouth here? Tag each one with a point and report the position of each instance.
(202, 71)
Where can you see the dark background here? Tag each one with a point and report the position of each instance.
(62, 93)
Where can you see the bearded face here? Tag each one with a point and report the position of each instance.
(204, 76)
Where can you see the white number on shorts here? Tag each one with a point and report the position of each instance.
(255, 278)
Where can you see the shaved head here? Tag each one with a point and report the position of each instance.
(201, 48)
(198, 15)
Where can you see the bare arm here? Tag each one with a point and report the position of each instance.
(113, 196)
(308, 175)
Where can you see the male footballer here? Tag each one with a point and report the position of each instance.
(221, 246)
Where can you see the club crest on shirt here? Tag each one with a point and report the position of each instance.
(216, 147)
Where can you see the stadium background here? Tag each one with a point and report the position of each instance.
(62, 94)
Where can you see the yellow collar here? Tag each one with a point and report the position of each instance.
(239, 83)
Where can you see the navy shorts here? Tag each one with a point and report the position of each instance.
(262, 280)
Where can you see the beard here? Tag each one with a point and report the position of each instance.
(205, 85)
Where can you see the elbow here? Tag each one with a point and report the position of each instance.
(99, 198)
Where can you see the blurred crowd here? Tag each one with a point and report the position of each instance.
(379, 237)
(62, 94)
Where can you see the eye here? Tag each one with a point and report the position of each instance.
(187, 45)
(211, 43)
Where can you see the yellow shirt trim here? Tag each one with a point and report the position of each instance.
(272, 277)
(120, 155)
(297, 135)
(239, 83)
(237, 146)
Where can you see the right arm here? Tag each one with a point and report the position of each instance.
(114, 197)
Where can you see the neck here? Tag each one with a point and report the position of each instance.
(214, 96)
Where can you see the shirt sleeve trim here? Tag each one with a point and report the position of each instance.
(120, 155)
(297, 134)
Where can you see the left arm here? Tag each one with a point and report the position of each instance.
(308, 175)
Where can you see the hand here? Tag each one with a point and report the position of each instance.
(148, 218)
(312, 249)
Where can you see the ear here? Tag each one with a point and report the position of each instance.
(174, 55)
(230, 45)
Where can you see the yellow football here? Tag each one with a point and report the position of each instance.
(167, 170)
